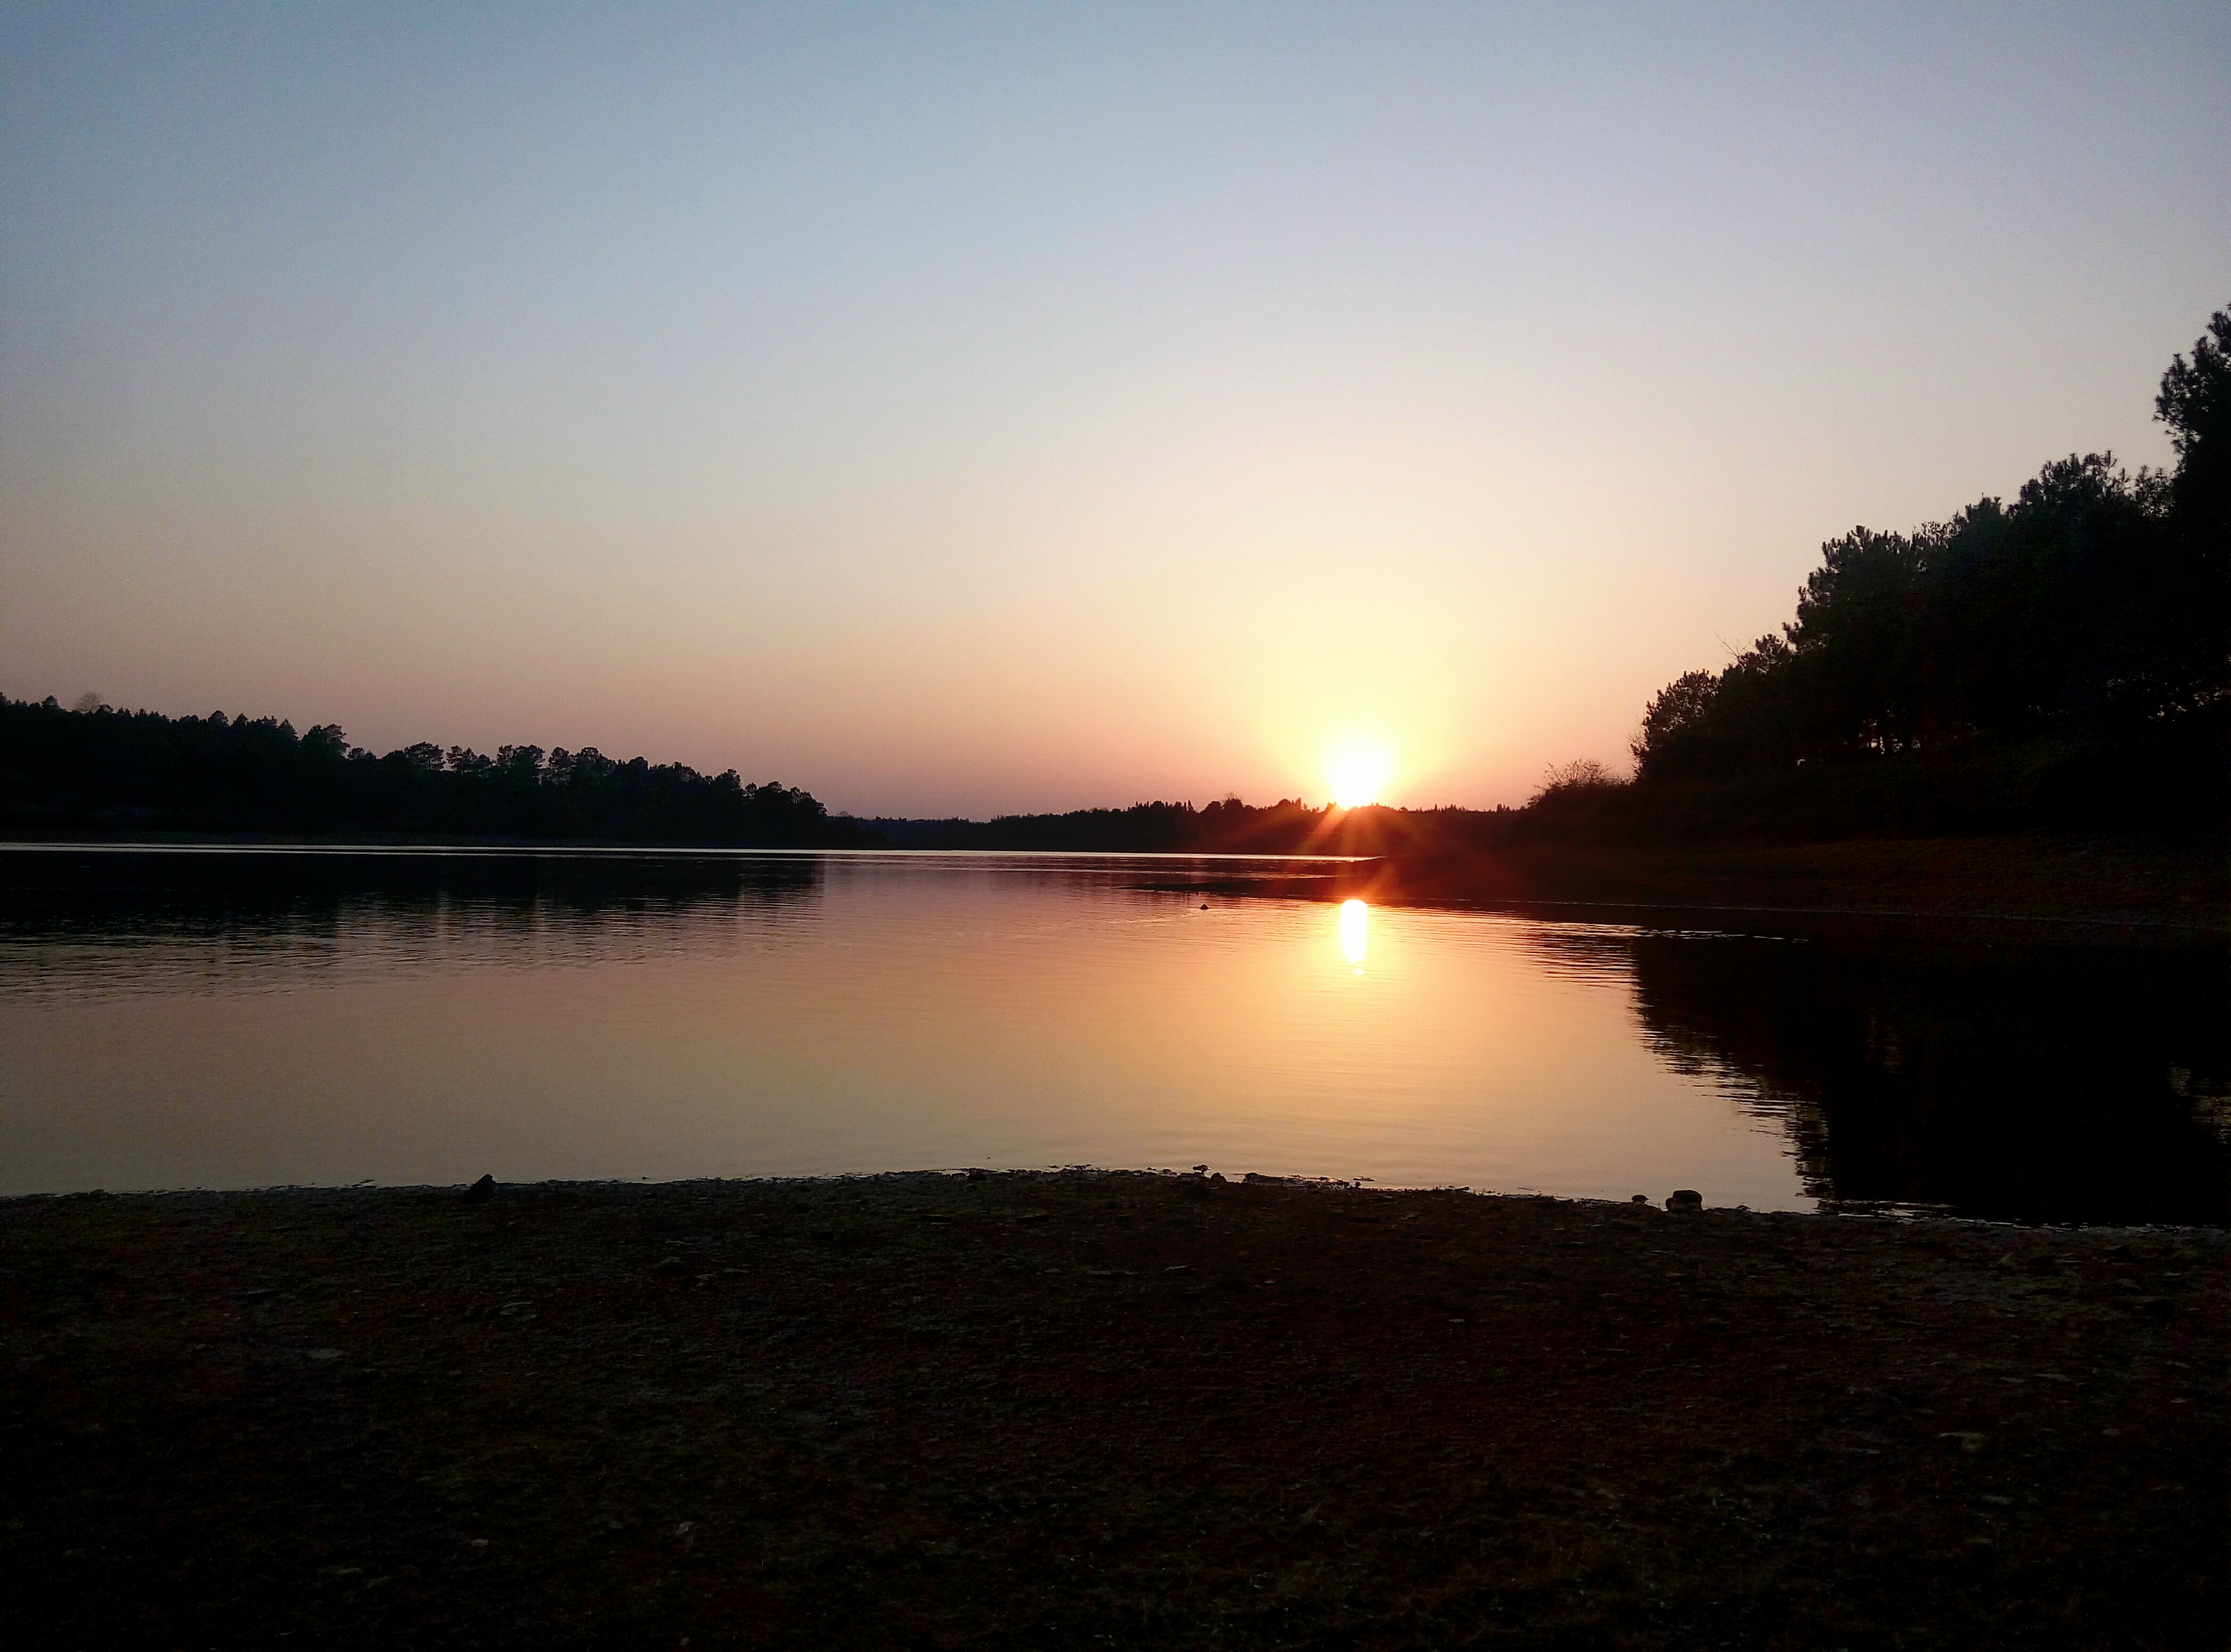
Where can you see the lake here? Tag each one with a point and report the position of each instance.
(244, 1018)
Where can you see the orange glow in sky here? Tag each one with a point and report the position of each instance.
(1358, 773)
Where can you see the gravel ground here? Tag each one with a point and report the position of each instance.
(1099, 1409)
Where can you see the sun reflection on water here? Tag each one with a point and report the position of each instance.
(1354, 931)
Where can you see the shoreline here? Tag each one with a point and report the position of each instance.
(2033, 888)
(1022, 1408)
(841, 1183)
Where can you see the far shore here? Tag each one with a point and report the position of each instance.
(1024, 1410)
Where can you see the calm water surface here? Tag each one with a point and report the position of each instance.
(250, 1018)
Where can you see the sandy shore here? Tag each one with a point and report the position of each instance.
(1099, 1410)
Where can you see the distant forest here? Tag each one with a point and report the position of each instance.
(1289, 826)
(2061, 661)
(93, 768)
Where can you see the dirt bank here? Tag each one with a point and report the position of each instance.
(1086, 1410)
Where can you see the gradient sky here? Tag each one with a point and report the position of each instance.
(953, 409)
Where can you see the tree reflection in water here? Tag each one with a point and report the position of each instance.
(2029, 1083)
(298, 913)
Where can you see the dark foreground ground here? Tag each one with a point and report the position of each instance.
(1099, 1410)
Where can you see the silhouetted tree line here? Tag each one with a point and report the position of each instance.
(1143, 828)
(2062, 656)
(95, 768)
(1227, 826)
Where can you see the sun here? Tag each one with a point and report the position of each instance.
(1358, 772)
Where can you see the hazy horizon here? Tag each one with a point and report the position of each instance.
(1020, 410)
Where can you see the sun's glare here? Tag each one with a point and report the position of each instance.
(1358, 774)
(1354, 932)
